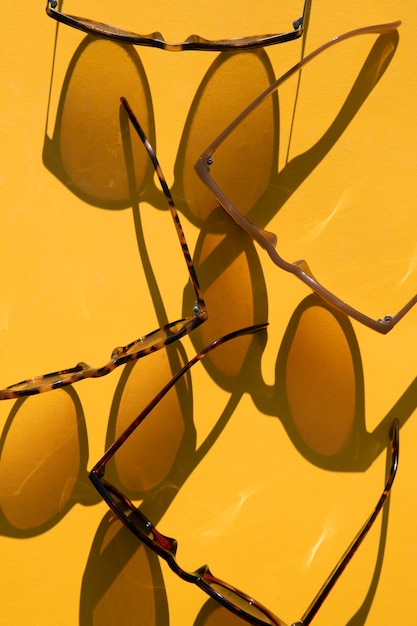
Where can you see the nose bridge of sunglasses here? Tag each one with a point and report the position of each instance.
(199, 28)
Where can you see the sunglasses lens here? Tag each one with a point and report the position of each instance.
(214, 614)
(245, 604)
(128, 509)
(45, 381)
(40, 459)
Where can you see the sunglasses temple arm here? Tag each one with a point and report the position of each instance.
(200, 305)
(351, 550)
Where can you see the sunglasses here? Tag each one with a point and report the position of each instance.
(227, 595)
(156, 40)
(146, 344)
(223, 191)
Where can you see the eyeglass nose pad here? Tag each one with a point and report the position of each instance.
(304, 267)
(204, 571)
(271, 237)
(118, 352)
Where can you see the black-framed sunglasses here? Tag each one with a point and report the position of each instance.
(156, 40)
(209, 170)
(226, 594)
(144, 345)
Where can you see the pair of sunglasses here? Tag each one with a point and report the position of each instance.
(133, 518)
(156, 40)
(225, 190)
(144, 345)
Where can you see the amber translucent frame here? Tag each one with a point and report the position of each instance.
(268, 240)
(146, 344)
(156, 40)
(227, 595)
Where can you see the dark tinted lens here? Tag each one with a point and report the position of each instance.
(245, 604)
(124, 506)
(47, 381)
(214, 614)
(141, 524)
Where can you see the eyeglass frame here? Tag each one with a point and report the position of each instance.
(166, 547)
(143, 346)
(156, 40)
(267, 239)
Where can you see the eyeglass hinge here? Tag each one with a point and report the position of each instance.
(386, 318)
(297, 24)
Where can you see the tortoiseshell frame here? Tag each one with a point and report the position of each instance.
(144, 345)
(268, 240)
(231, 598)
(156, 40)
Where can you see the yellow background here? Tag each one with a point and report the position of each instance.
(268, 515)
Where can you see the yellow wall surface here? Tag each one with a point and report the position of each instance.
(277, 448)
